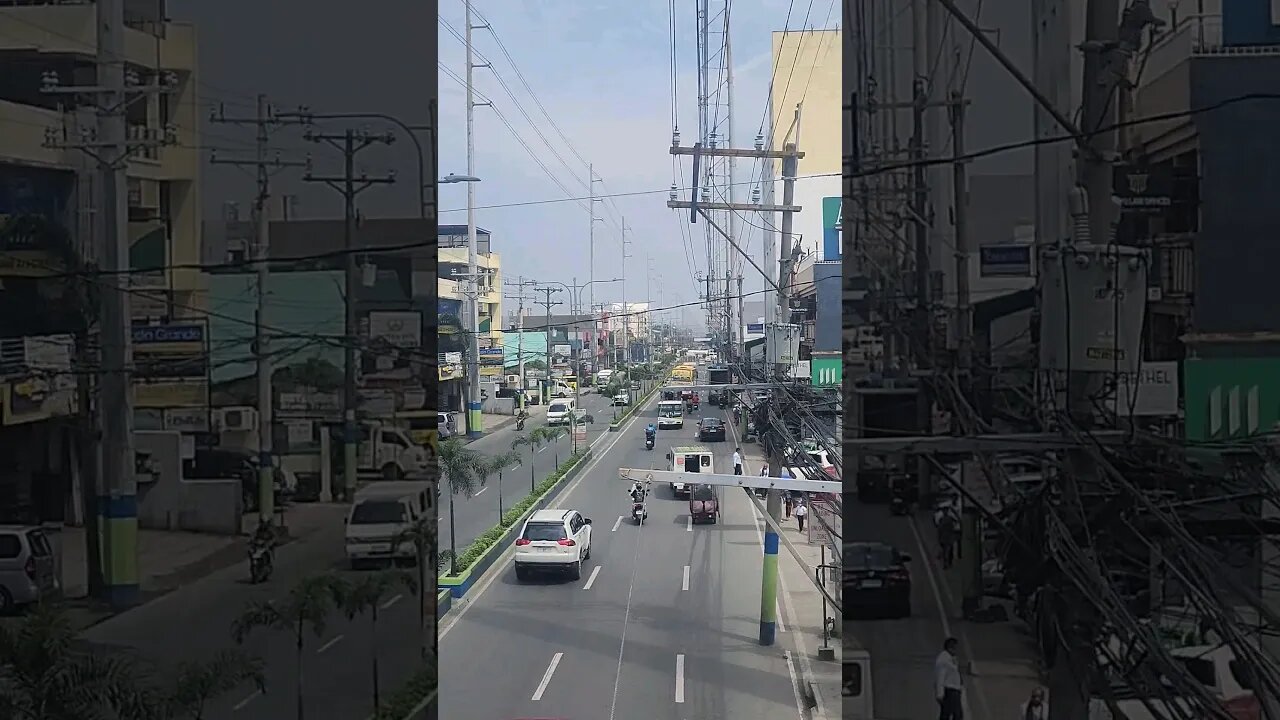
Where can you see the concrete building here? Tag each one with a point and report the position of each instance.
(453, 243)
(49, 222)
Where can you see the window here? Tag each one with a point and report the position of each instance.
(10, 546)
(550, 532)
(396, 439)
(378, 512)
(40, 546)
(852, 680)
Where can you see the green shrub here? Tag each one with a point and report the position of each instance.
(490, 537)
(406, 697)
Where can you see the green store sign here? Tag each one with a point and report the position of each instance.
(1231, 398)
(826, 372)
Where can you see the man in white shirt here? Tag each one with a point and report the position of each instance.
(947, 683)
(737, 461)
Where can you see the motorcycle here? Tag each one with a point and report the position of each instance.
(639, 512)
(520, 423)
(648, 442)
(260, 563)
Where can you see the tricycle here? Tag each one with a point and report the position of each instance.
(703, 504)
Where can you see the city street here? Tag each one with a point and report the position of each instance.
(903, 650)
(664, 624)
(479, 512)
(336, 664)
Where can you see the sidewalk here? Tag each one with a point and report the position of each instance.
(802, 606)
(494, 422)
(168, 559)
(1002, 657)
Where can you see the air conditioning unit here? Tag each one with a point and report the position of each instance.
(238, 419)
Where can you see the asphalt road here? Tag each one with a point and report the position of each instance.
(634, 639)
(476, 514)
(194, 622)
(902, 650)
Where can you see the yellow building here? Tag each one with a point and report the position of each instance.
(164, 203)
(811, 59)
(452, 258)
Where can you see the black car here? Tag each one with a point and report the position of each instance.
(876, 579)
(710, 429)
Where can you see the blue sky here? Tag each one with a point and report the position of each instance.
(601, 71)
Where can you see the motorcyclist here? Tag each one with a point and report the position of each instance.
(650, 431)
(521, 416)
(637, 492)
(264, 538)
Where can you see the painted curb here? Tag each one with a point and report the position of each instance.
(468, 578)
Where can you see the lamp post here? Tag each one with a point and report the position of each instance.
(474, 418)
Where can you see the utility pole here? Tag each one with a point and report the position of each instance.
(521, 283)
(263, 167)
(626, 315)
(960, 189)
(780, 314)
(475, 418)
(548, 303)
(112, 528)
(350, 143)
(591, 234)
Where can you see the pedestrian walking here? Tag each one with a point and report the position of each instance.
(948, 685)
(788, 503)
(1035, 708)
(737, 461)
(947, 531)
(800, 512)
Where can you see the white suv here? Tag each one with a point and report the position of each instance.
(558, 540)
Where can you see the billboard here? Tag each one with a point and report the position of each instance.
(811, 223)
(1231, 398)
(831, 225)
(400, 329)
(1152, 392)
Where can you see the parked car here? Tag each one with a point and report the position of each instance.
(446, 424)
(28, 571)
(710, 428)
(876, 579)
(553, 540)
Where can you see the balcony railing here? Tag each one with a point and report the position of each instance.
(1174, 260)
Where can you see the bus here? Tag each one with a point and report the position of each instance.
(670, 414)
(683, 373)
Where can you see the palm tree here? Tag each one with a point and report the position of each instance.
(198, 683)
(554, 433)
(534, 440)
(306, 607)
(367, 596)
(422, 533)
(498, 464)
(45, 676)
(460, 468)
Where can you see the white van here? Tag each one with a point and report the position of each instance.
(380, 513)
(670, 414)
(856, 697)
(560, 412)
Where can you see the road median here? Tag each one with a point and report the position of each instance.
(618, 422)
(479, 556)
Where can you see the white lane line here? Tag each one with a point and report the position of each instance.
(336, 639)
(512, 468)
(544, 447)
(240, 705)
(546, 676)
(591, 580)
(684, 585)
(486, 487)
(616, 524)
(795, 683)
(944, 614)
(689, 525)
(679, 678)
(391, 601)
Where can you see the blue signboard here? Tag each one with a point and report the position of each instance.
(831, 228)
(1004, 261)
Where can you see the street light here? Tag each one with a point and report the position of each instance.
(474, 417)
